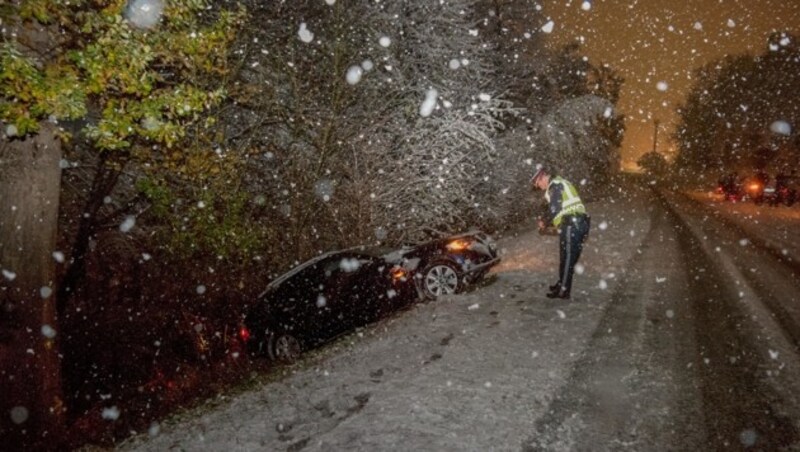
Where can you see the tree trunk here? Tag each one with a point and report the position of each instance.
(105, 179)
(31, 406)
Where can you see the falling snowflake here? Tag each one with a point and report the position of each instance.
(349, 265)
(548, 27)
(154, 429)
(19, 414)
(110, 414)
(385, 41)
(781, 128)
(128, 224)
(144, 13)
(429, 103)
(586, 5)
(48, 331)
(354, 74)
(321, 301)
(305, 34)
(662, 86)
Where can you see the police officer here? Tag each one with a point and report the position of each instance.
(568, 214)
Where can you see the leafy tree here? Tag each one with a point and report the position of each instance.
(132, 88)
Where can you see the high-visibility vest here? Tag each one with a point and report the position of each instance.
(571, 203)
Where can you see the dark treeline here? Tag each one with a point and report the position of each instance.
(741, 112)
(160, 191)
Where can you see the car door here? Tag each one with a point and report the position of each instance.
(293, 302)
(340, 294)
(362, 290)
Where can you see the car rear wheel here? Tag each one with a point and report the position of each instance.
(284, 348)
(441, 278)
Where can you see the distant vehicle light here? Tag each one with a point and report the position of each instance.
(244, 333)
(754, 187)
(458, 245)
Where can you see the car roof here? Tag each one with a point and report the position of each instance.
(389, 255)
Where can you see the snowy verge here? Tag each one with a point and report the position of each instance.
(467, 372)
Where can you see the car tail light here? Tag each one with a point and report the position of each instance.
(244, 333)
(399, 274)
(458, 245)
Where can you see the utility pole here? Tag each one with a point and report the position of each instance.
(655, 134)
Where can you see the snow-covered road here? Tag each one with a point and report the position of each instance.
(628, 363)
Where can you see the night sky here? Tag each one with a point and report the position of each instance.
(652, 42)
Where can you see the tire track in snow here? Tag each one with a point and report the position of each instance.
(741, 409)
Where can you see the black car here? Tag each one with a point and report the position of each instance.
(338, 291)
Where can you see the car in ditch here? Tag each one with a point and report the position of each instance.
(326, 296)
(339, 291)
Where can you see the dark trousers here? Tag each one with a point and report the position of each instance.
(572, 233)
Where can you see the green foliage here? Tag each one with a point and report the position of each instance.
(147, 85)
(30, 94)
(213, 223)
(159, 196)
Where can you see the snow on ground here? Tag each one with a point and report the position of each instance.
(778, 227)
(466, 372)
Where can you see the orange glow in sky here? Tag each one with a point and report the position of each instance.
(656, 44)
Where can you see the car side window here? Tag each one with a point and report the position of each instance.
(343, 275)
(308, 279)
(336, 275)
